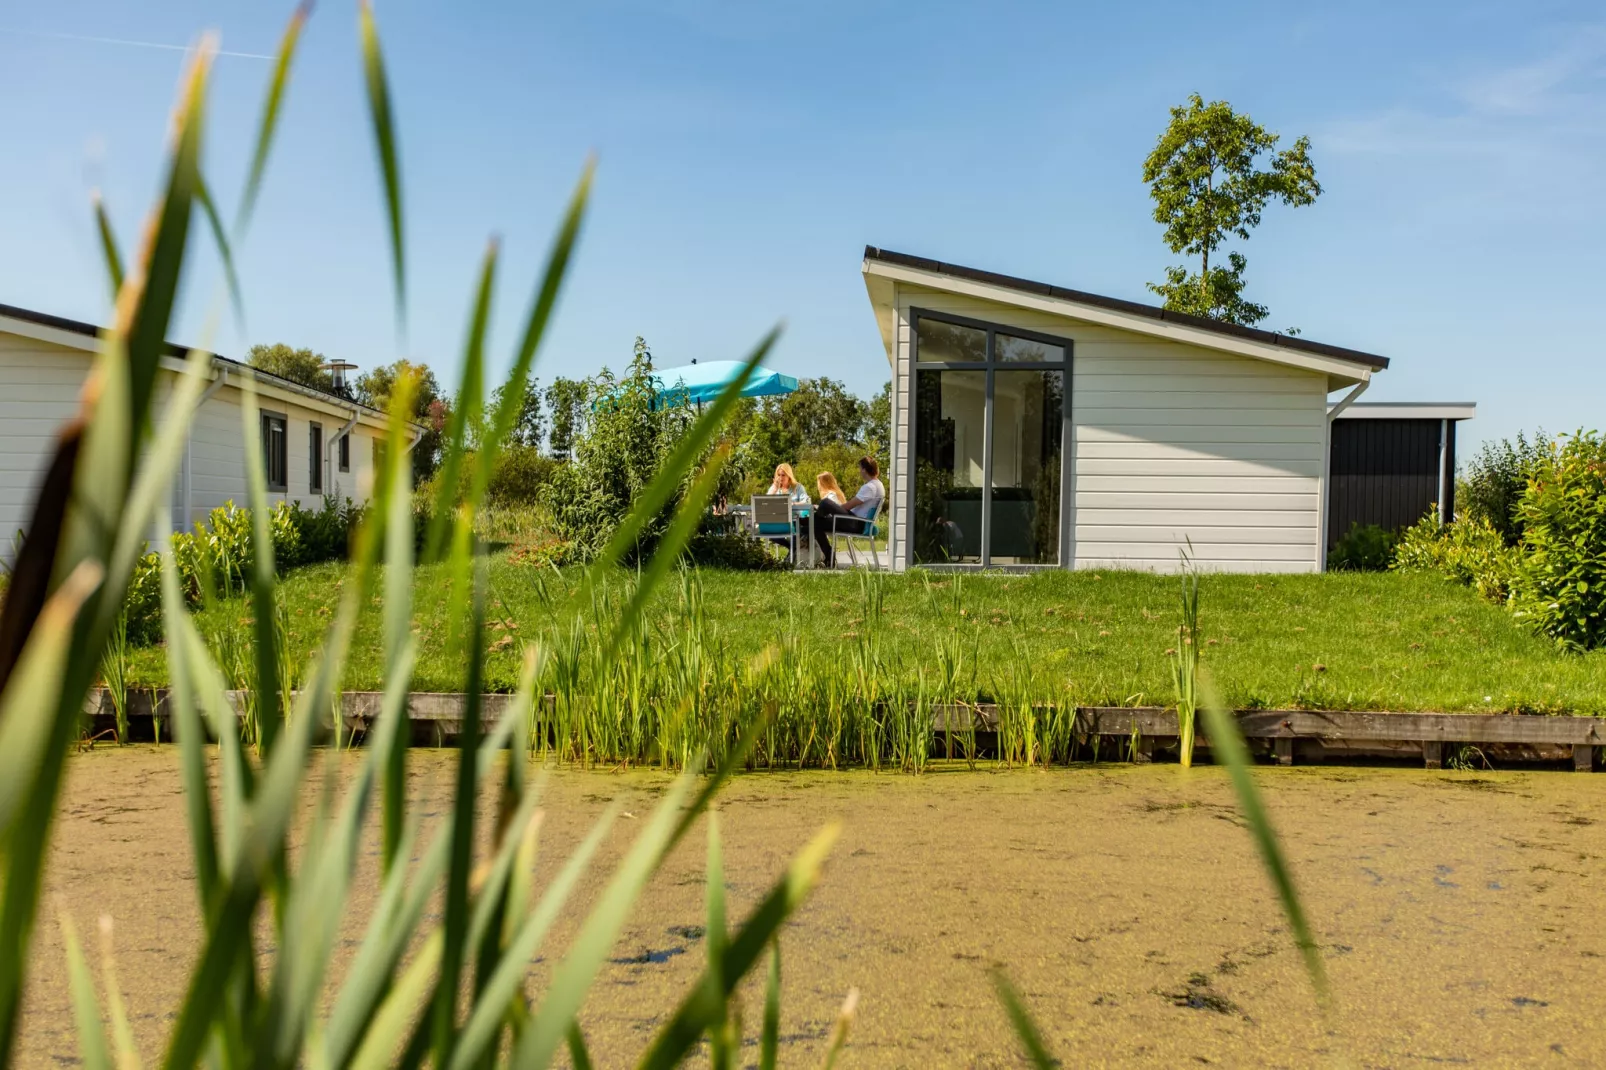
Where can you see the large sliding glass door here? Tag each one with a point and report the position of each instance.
(990, 431)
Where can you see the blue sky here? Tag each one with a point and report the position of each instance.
(748, 152)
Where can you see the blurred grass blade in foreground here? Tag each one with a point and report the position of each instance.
(269, 123)
(1228, 748)
(695, 1015)
(1031, 1038)
(385, 143)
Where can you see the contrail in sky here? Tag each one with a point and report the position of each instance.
(122, 41)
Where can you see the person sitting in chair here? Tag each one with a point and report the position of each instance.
(853, 518)
(786, 483)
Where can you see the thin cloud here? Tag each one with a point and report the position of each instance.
(1556, 103)
(1517, 142)
(120, 41)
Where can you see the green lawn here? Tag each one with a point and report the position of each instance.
(1337, 641)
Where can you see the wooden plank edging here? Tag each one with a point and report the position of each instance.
(446, 708)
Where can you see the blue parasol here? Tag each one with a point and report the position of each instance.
(704, 382)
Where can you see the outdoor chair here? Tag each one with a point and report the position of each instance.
(872, 528)
(772, 519)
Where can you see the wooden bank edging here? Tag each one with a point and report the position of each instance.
(1341, 731)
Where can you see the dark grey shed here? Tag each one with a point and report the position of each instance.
(1391, 463)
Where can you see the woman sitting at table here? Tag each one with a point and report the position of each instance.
(853, 517)
(786, 483)
(829, 490)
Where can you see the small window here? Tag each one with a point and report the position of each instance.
(345, 452)
(379, 455)
(315, 458)
(275, 443)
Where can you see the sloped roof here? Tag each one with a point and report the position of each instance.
(71, 326)
(1131, 308)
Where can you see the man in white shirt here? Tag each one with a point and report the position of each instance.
(853, 518)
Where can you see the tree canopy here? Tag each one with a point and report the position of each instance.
(565, 400)
(530, 427)
(298, 365)
(1206, 186)
(374, 387)
(820, 412)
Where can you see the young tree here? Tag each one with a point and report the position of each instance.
(1206, 187)
(530, 429)
(298, 365)
(565, 400)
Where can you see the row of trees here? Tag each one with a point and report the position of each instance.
(821, 416)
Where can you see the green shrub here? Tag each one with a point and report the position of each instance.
(1367, 548)
(215, 559)
(519, 475)
(1467, 551)
(1561, 587)
(718, 547)
(625, 436)
(1495, 481)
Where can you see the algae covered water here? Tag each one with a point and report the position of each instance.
(1457, 911)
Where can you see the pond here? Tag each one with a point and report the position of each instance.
(1458, 912)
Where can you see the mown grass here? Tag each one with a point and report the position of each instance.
(1364, 641)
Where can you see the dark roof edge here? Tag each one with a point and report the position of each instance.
(1133, 308)
(62, 323)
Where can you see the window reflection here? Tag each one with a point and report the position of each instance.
(950, 407)
(1009, 348)
(949, 342)
(1028, 408)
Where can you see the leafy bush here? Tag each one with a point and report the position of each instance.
(519, 475)
(1495, 481)
(625, 437)
(716, 547)
(1561, 588)
(1368, 548)
(215, 559)
(1467, 551)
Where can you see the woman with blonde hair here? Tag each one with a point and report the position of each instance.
(856, 516)
(786, 483)
(829, 490)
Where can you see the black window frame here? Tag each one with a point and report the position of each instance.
(315, 461)
(990, 365)
(276, 456)
(345, 452)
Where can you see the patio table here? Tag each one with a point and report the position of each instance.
(801, 511)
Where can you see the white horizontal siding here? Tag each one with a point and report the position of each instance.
(902, 440)
(1188, 435)
(1189, 502)
(40, 385)
(1255, 563)
(217, 456)
(1192, 468)
(1116, 516)
(39, 388)
(1128, 449)
(1174, 445)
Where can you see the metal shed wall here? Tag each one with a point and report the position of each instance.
(1389, 473)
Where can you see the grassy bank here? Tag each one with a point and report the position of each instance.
(1337, 641)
